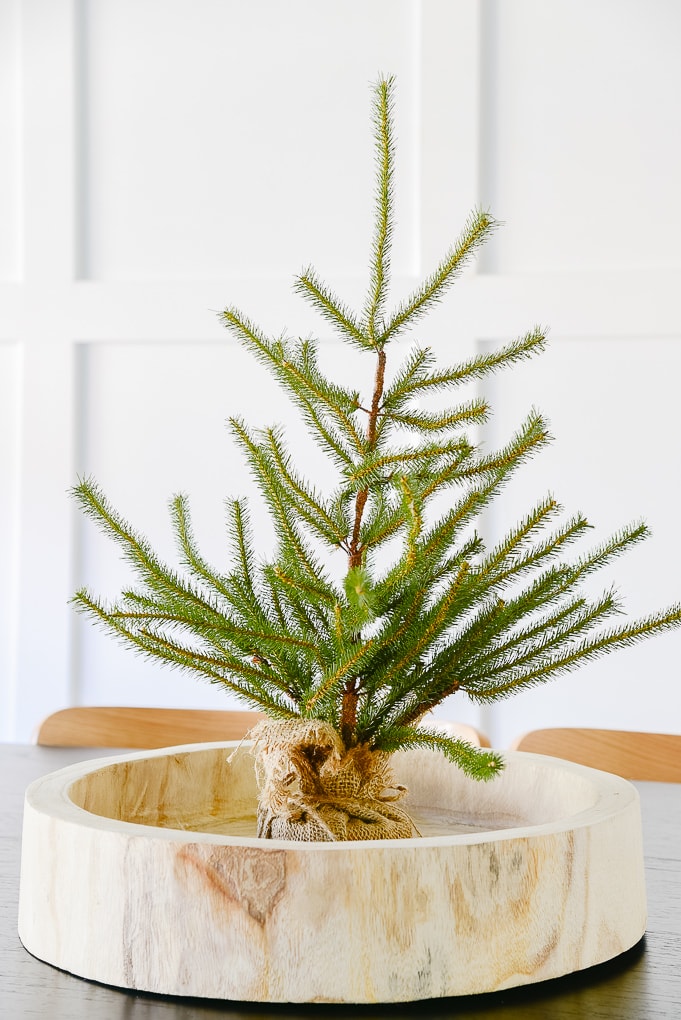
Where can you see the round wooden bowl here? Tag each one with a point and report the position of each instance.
(144, 872)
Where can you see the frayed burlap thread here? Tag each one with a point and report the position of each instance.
(312, 789)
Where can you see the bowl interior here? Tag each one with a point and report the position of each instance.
(213, 788)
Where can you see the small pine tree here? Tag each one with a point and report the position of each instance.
(368, 652)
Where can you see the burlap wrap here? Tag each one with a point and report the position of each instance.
(312, 789)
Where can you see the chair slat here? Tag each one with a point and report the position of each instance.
(131, 727)
(643, 756)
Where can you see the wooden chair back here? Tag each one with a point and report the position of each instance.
(97, 726)
(643, 756)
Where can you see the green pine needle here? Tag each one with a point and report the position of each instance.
(385, 158)
(478, 763)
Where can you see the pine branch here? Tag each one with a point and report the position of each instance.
(478, 763)
(306, 501)
(316, 594)
(586, 650)
(313, 290)
(548, 637)
(400, 603)
(290, 607)
(159, 578)
(614, 546)
(437, 681)
(433, 623)
(412, 369)
(380, 256)
(383, 514)
(333, 443)
(416, 379)
(381, 528)
(468, 551)
(358, 609)
(238, 589)
(242, 541)
(478, 228)
(476, 412)
(496, 616)
(518, 536)
(270, 355)
(276, 498)
(532, 435)
(391, 590)
(414, 511)
(349, 665)
(295, 371)
(248, 682)
(495, 469)
(216, 630)
(569, 575)
(191, 557)
(382, 467)
(525, 634)
(445, 531)
(331, 398)
(555, 543)
(300, 598)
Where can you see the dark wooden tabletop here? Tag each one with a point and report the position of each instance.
(642, 984)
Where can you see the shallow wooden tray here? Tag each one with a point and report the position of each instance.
(143, 871)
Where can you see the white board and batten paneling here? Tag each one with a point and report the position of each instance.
(164, 159)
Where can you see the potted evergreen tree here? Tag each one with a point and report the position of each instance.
(344, 651)
(379, 602)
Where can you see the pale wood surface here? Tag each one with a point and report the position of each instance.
(645, 982)
(654, 757)
(128, 878)
(121, 726)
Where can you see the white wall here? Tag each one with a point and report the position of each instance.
(163, 158)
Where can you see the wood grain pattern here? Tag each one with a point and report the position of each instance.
(113, 888)
(642, 982)
(645, 756)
